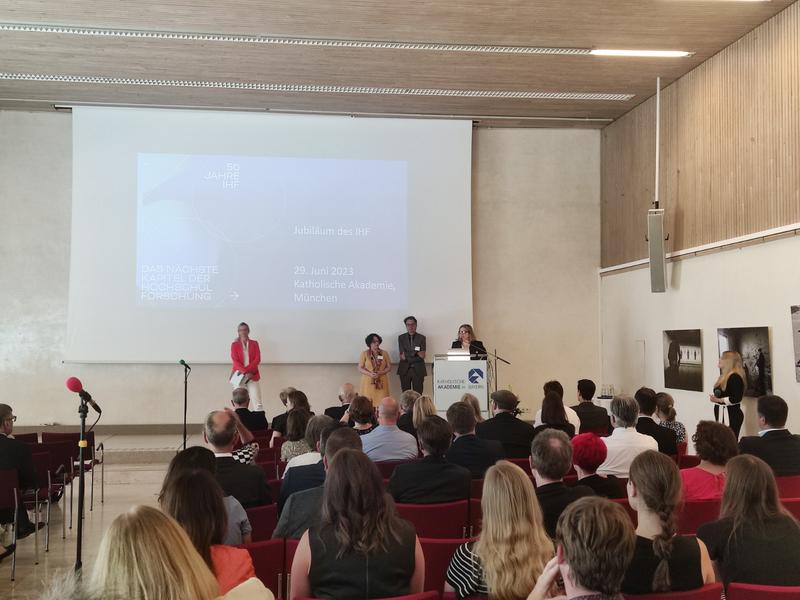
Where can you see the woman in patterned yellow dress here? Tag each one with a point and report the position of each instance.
(373, 364)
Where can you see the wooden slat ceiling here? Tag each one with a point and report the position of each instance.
(702, 27)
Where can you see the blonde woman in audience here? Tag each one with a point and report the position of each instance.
(475, 404)
(513, 547)
(665, 411)
(146, 555)
(423, 407)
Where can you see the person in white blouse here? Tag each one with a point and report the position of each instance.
(625, 443)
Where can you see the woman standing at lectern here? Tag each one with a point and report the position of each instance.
(729, 389)
(373, 364)
(466, 341)
(246, 355)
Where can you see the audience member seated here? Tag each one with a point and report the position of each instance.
(774, 444)
(308, 476)
(558, 389)
(431, 479)
(296, 443)
(625, 443)
(588, 453)
(715, 444)
(279, 421)
(239, 529)
(386, 441)
(551, 460)
(594, 544)
(194, 500)
(346, 394)
(363, 415)
(553, 416)
(513, 547)
(303, 508)
(665, 412)
(360, 548)
(423, 407)
(253, 420)
(406, 420)
(473, 402)
(467, 449)
(593, 418)
(295, 400)
(17, 456)
(244, 482)
(314, 430)
(666, 438)
(146, 554)
(662, 560)
(514, 434)
(756, 540)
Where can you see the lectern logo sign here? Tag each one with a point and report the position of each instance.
(475, 375)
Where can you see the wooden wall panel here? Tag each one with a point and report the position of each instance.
(730, 148)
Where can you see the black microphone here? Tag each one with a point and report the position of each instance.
(74, 385)
(185, 364)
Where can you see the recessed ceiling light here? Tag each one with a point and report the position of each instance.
(643, 53)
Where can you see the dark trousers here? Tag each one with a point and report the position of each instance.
(735, 416)
(412, 380)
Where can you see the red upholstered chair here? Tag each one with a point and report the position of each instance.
(27, 438)
(788, 486)
(281, 468)
(475, 517)
(747, 591)
(523, 463)
(420, 596)
(291, 548)
(9, 500)
(696, 513)
(263, 520)
(93, 456)
(260, 434)
(571, 480)
(275, 488)
(269, 562)
(445, 520)
(687, 461)
(712, 591)
(623, 502)
(386, 467)
(683, 448)
(35, 497)
(792, 505)
(268, 466)
(437, 558)
(476, 489)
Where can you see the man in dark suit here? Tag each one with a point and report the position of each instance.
(346, 394)
(774, 444)
(593, 418)
(303, 508)
(244, 482)
(514, 434)
(16, 455)
(254, 420)
(667, 439)
(551, 460)
(411, 368)
(467, 449)
(431, 479)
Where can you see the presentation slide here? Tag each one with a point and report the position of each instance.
(314, 230)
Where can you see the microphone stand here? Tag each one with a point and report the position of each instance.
(185, 400)
(83, 412)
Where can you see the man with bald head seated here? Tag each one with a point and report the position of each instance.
(387, 441)
(246, 483)
(346, 394)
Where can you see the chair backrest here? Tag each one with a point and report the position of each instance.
(623, 502)
(263, 520)
(711, 591)
(41, 466)
(445, 520)
(788, 486)
(27, 438)
(62, 455)
(9, 485)
(523, 463)
(386, 467)
(49, 436)
(269, 563)
(438, 554)
(275, 488)
(281, 468)
(747, 591)
(291, 548)
(475, 517)
(268, 467)
(792, 505)
(476, 489)
(683, 448)
(687, 461)
(696, 513)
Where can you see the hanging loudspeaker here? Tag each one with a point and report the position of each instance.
(655, 243)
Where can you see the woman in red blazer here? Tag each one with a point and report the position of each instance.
(246, 356)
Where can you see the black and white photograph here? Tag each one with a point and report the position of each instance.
(752, 343)
(796, 337)
(683, 360)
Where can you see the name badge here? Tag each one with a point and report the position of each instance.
(416, 348)
(380, 358)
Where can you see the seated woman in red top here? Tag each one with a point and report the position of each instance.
(246, 356)
(194, 499)
(715, 444)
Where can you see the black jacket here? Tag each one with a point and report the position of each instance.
(301, 478)
(554, 498)
(607, 487)
(779, 449)
(17, 455)
(253, 420)
(667, 439)
(246, 483)
(337, 412)
(429, 480)
(476, 348)
(474, 454)
(406, 423)
(515, 434)
(593, 418)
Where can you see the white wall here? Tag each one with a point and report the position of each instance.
(749, 287)
(536, 249)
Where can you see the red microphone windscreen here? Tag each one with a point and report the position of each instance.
(74, 384)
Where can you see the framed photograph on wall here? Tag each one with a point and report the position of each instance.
(795, 310)
(683, 359)
(752, 343)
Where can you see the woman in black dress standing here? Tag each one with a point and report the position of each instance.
(729, 389)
